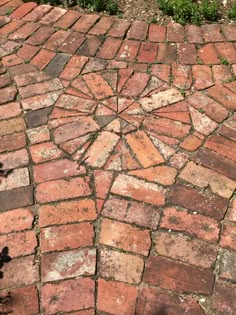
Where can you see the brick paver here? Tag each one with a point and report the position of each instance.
(121, 138)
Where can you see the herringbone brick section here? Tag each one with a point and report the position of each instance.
(122, 141)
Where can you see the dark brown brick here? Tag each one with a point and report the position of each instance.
(16, 198)
(57, 64)
(38, 117)
(90, 46)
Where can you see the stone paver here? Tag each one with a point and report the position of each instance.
(121, 138)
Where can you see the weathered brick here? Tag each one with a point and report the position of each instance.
(57, 64)
(193, 224)
(10, 27)
(147, 192)
(211, 205)
(20, 244)
(56, 40)
(185, 249)
(223, 298)
(128, 50)
(56, 169)
(85, 23)
(25, 301)
(66, 237)
(26, 52)
(191, 143)
(73, 67)
(40, 101)
(37, 13)
(40, 88)
(62, 189)
(157, 33)
(222, 146)
(21, 69)
(173, 275)
(147, 52)
(229, 31)
(182, 76)
(212, 33)
(202, 77)
(227, 262)
(52, 16)
(68, 19)
(118, 28)
(14, 198)
(39, 134)
(138, 30)
(167, 53)
(120, 266)
(40, 36)
(202, 123)
(11, 60)
(54, 266)
(27, 272)
(31, 78)
(42, 59)
(109, 297)
(67, 212)
(135, 84)
(90, 46)
(24, 9)
(187, 54)
(8, 94)
(16, 220)
(157, 301)
(175, 33)
(226, 51)
(37, 117)
(161, 71)
(125, 237)
(102, 26)
(193, 34)
(109, 48)
(20, 178)
(228, 235)
(232, 211)
(208, 54)
(72, 43)
(12, 142)
(221, 73)
(25, 31)
(13, 4)
(68, 295)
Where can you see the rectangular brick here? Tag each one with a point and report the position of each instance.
(52, 16)
(16, 220)
(56, 40)
(40, 88)
(11, 27)
(102, 26)
(109, 48)
(176, 276)
(119, 28)
(12, 142)
(42, 59)
(73, 67)
(128, 50)
(38, 13)
(24, 9)
(24, 31)
(90, 46)
(157, 33)
(138, 30)
(15, 198)
(69, 18)
(40, 36)
(147, 52)
(26, 52)
(72, 43)
(85, 23)
(167, 53)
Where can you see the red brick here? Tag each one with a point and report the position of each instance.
(11, 60)
(68, 264)
(102, 181)
(21, 69)
(228, 235)
(12, 142)
(27, 272)
(138, 30)
(66, 237)
(69, 18)
(223, 95)
(40, 101)
(40, 88)
(187, 54)
(147, 52)
(102, 27)
(90, 46)
(116, 298)
(221, 73)
(24, 9)
(40, 36)
(45, 152)
(191, 143)
(99, 87)
(24, 301)
(167, 53)
(25, 31)
(224, 298)
(175, 33)
(210, 107)
(125, 237)
(222, 146)
(232, 211)
(226, 51)
(9, 47)
(135, 84)
(157, 301)
(56, 40)
(121, 267)
(37, 135)
(62, 189)
(182, 76)
(185, 249)
(118, 28)
(72, 43)
(227, 262)
(10, 110)
(228, 130)
(4, 19)
(231, 86)
(193, 34)
(157, 33)
(16, 220)
(208, 54)
(38, 13)
(54, 15)
(68, 295)
(179, 159)
(10, 27)
(73, 67)
(20, 244)
(11, 5)
(85, 23)
(56, 169)
(211, 205)
(131, 212)
(128, 50)
(109, 48)
(67, 212)
(148, 192)
(8, 94)
(212, 33)
(161, 71)
(204, 177)
(176, 276)
(202, 77)
(229, 32)
(12, 125)
(26, 52)
(193, 224)
(5, 80)
(19, 178)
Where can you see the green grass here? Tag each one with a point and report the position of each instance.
(111, 6)
(232, 12)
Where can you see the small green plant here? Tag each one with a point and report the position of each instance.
(183, 92)
(210, 9)
(224, 61)
(110, 6)
(9, 11)
(232, 79)
(232, 12)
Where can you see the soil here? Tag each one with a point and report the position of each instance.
(148, 11)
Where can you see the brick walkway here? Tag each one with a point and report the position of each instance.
(123, 143)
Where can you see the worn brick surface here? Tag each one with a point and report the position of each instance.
(118, 143)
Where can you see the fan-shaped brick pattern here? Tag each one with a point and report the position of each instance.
(122, 141)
